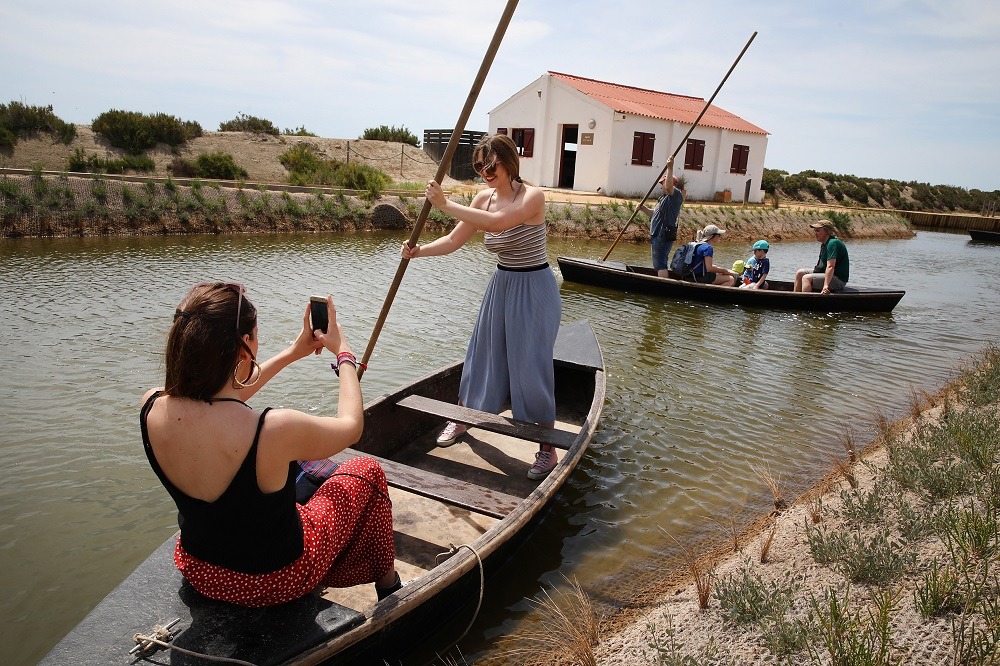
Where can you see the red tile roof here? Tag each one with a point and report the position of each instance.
(653, 104)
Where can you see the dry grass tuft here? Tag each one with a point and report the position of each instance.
(920, 401)
(816, 509)
(765, 547)
(701, 571)
(763, 472)
(882, 423)
(565, 630)
(846, 470)
(849, 443)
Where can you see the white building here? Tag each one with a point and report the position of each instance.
(583, 134)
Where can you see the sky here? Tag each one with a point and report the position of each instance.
(901, 89)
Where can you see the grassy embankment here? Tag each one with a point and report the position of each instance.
(894, 559)
(72, 205)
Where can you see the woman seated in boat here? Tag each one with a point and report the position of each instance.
(510, 353)
(231, 469)
(703, 269)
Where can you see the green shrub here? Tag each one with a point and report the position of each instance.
(858, 637)
(298, 131)
(301, 159)
(244, 123)
(80, 162)
(18, 120)
(745, 598)
(875, 561)
(220, 166)
(841, 221)
(385, 133)
(183, 168)
(136, 132)
(307, 167)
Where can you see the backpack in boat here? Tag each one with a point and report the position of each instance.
(683, 257)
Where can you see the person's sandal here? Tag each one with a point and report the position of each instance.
(386, 591)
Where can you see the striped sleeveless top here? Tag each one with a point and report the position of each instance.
(522, 246)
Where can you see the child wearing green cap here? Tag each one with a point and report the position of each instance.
(757, 267)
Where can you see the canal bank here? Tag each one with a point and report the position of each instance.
(49, 204)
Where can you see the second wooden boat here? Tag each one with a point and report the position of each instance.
(984, 236)
(779, 295)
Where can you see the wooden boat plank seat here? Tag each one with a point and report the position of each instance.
(491, 422)
(448, 490)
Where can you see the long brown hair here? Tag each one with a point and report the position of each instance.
(204, 342)
(501, 148)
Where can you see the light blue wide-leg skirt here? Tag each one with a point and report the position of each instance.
(510, 353)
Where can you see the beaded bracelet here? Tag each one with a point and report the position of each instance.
(347, 357)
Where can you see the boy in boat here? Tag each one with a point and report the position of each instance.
(757, 267)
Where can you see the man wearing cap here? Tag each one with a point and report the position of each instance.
(833, 268)
(663, 220)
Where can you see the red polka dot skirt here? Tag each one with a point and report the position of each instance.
(347, 533)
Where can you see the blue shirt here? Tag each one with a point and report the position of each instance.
(755, 270)
(698, 262)
(668, 209)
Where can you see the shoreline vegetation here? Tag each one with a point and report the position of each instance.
(892, 558)
(45, 204)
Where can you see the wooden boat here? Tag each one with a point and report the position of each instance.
(475, 492)
(985, 236)
(779, 295)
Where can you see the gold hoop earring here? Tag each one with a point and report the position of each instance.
(254, 370)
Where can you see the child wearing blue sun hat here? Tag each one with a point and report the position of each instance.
(757, 267)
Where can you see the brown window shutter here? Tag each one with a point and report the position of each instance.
(637, 148)
(744, 159)
(734, 165)
(529, 142)
(502, 130)
(647, 149)
(699, 153)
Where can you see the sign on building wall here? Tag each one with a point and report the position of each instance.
(587, 139)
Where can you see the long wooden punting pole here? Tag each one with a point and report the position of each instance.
(679, 146)
(449, 152)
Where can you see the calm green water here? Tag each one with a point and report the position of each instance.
(696, 394)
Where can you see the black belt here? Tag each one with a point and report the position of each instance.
(528, 269)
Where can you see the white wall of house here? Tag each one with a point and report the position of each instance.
(547, 105)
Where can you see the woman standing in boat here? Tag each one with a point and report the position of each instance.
(510, 353)
(231, 470)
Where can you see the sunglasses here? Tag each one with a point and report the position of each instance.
(483, 169)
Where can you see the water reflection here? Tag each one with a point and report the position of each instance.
(696, 394)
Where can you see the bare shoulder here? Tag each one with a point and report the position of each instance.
(482, 198)
(534, 202)
(148, 394)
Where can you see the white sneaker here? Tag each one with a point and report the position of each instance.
(545, 462)
(452, 431)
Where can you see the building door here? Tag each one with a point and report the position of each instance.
(567, 156)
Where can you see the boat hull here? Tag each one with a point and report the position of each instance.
(985, 236)
(641, 279)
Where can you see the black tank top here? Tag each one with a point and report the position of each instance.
(245, 529)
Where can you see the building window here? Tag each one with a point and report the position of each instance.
(741, 154)
(642, 148)
(524, 139)
(694, 157)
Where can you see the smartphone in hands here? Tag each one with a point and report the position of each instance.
(318, 313)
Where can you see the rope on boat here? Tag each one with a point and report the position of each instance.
(482, 586)
(146, 645)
